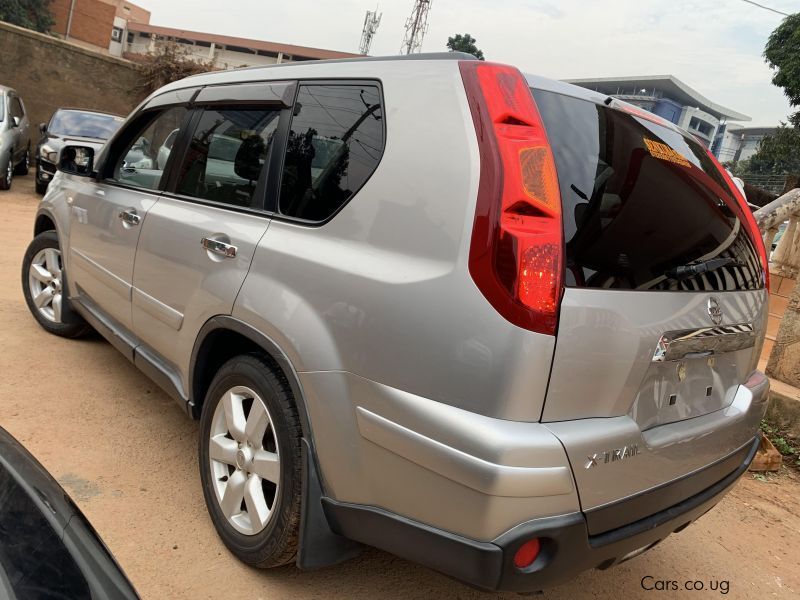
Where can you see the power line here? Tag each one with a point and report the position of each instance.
(766, 7)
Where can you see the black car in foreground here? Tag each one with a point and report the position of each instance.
(70, 126)
(48, 550)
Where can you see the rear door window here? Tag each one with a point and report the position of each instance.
(227, 155)
(334, 145)
(641, 200)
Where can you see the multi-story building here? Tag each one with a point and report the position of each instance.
(670, 98)
(225, 52)
(122, 28)
(97, 24)
(737, 143)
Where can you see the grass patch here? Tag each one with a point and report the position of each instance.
(787, 445)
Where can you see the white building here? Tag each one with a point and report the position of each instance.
(225, 52)
(670, 98)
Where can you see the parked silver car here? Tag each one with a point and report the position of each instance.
(15, 137)
(506, 328)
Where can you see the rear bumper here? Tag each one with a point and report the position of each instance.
(568, 547)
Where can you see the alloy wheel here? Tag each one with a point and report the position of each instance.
(244, 460)
(45, 283)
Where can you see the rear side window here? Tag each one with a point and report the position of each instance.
(335, 143)
(227, 155)
(641, 200)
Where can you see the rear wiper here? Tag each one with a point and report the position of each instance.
(702, 266)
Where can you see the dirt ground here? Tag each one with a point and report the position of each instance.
(128, 457)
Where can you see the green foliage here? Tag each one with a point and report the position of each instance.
(464, 43)
(783, 54)
(777, 154)
(31, 14)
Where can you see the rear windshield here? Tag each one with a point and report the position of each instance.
(83, 124)
(641, 202)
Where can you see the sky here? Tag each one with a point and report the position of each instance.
(714, 46)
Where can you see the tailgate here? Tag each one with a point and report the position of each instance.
(664, 313)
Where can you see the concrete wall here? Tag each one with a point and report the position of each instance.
(50, 73)
(92, 20)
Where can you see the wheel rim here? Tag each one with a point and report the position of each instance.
(9, 171)
(27, 159)
(44, 282)
(243, 460)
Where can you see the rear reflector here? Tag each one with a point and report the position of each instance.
(517, 252)
(527, 554)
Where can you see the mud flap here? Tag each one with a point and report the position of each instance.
(318, 546)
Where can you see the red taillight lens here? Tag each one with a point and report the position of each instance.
(745, 215)
(517, 255)
(527, 553)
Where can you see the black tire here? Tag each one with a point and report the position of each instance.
(276, 544)
(24, 167)
(6, 176)
(71, 324)
(41, 188)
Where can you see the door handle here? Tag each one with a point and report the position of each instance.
(221, 248)
(130, 217)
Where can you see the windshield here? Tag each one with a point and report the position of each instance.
(84, 124)
(640, 200)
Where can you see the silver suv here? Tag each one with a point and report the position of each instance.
(15, 137)
(502, 326)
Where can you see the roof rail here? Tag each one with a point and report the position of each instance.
(421, 56)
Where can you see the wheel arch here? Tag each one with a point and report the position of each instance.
(44, 222)
(220, 339)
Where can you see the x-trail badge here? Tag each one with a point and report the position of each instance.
(714, 310)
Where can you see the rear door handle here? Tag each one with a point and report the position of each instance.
(221, 248)
(130, 217)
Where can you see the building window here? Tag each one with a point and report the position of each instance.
(116, 34)
(701, 126)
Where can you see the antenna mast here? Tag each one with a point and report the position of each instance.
(416, 27)
(371, 22)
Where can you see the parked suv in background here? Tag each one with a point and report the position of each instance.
(15, 137)
(70, 126)
(508, 329)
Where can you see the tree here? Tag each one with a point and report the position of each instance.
(464, 43)
(31, 14)
(169, 62)
(777, 154)
(782, 53)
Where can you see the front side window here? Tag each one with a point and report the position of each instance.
(143, 161)
(16, 108)
(335, 144)
(227, 155)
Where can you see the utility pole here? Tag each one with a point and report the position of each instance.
(416, 27)
(371, 22)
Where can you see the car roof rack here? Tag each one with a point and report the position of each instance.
(388, 58)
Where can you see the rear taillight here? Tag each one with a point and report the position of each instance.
(745, 215)
(517, 251)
